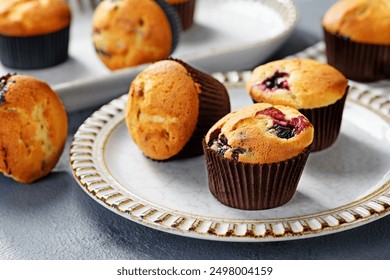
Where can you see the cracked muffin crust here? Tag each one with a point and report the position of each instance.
(261, 133)
(299, 83)
(131, 32)
(33, 130)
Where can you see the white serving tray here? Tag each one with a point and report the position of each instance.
(227, 35)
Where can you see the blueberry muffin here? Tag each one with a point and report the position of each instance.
(33, 130)
(317, 90)
(170, 108)
(185, 10)
(132, 32)
(255, 156)
(357, 38)
(34, 33)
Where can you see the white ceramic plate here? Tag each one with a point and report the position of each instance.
(245, 31)
(345, 186)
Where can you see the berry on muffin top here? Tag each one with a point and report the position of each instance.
(299, 83)
(261, 133)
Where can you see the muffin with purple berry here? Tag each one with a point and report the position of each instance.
(317, 90)
(255, 156)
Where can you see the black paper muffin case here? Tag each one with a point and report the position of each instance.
(357, 61)
(253, 186)
(34, 52)
(174, 22)
(186, 12)
(214, 104)
(326, 122)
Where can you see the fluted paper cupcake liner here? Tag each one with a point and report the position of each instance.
(34, 52)
(358, 61)
(253, 186)
(186, 12)
(174, 22)
(214, 104)
(326, 122)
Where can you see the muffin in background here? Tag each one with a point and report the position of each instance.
(34, 34)
(357, 38)
(170, 108)
(255, 156)
(185, 10)
(131, 32)
(317, 90)
(33, 130)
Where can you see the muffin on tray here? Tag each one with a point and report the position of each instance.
(255, 156)
(34, 33)
(170, 108)
(317, 90)
(357, 38)
(33, 130)
(132, 32)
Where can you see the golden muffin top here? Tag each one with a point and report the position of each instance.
(24, 18)
(299, 83)
(364, 21)
(261, 133)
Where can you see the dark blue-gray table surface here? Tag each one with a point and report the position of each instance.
(55, 219)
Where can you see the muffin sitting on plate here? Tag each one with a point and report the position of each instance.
(255, 156)
(171, 106)
(317, 90)
(357, 38)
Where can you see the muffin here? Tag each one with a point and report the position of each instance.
(185, 10)
(170, 108)
(317, 90)
(255, 156)
(132, 32)
(33, 33)
(357, 38)
(33, 130)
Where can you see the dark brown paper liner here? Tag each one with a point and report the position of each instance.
(34, 52)
(326, 122)
(214, 104)
(253, 186)
(186, 11)
(174, 22)
(357, 61)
